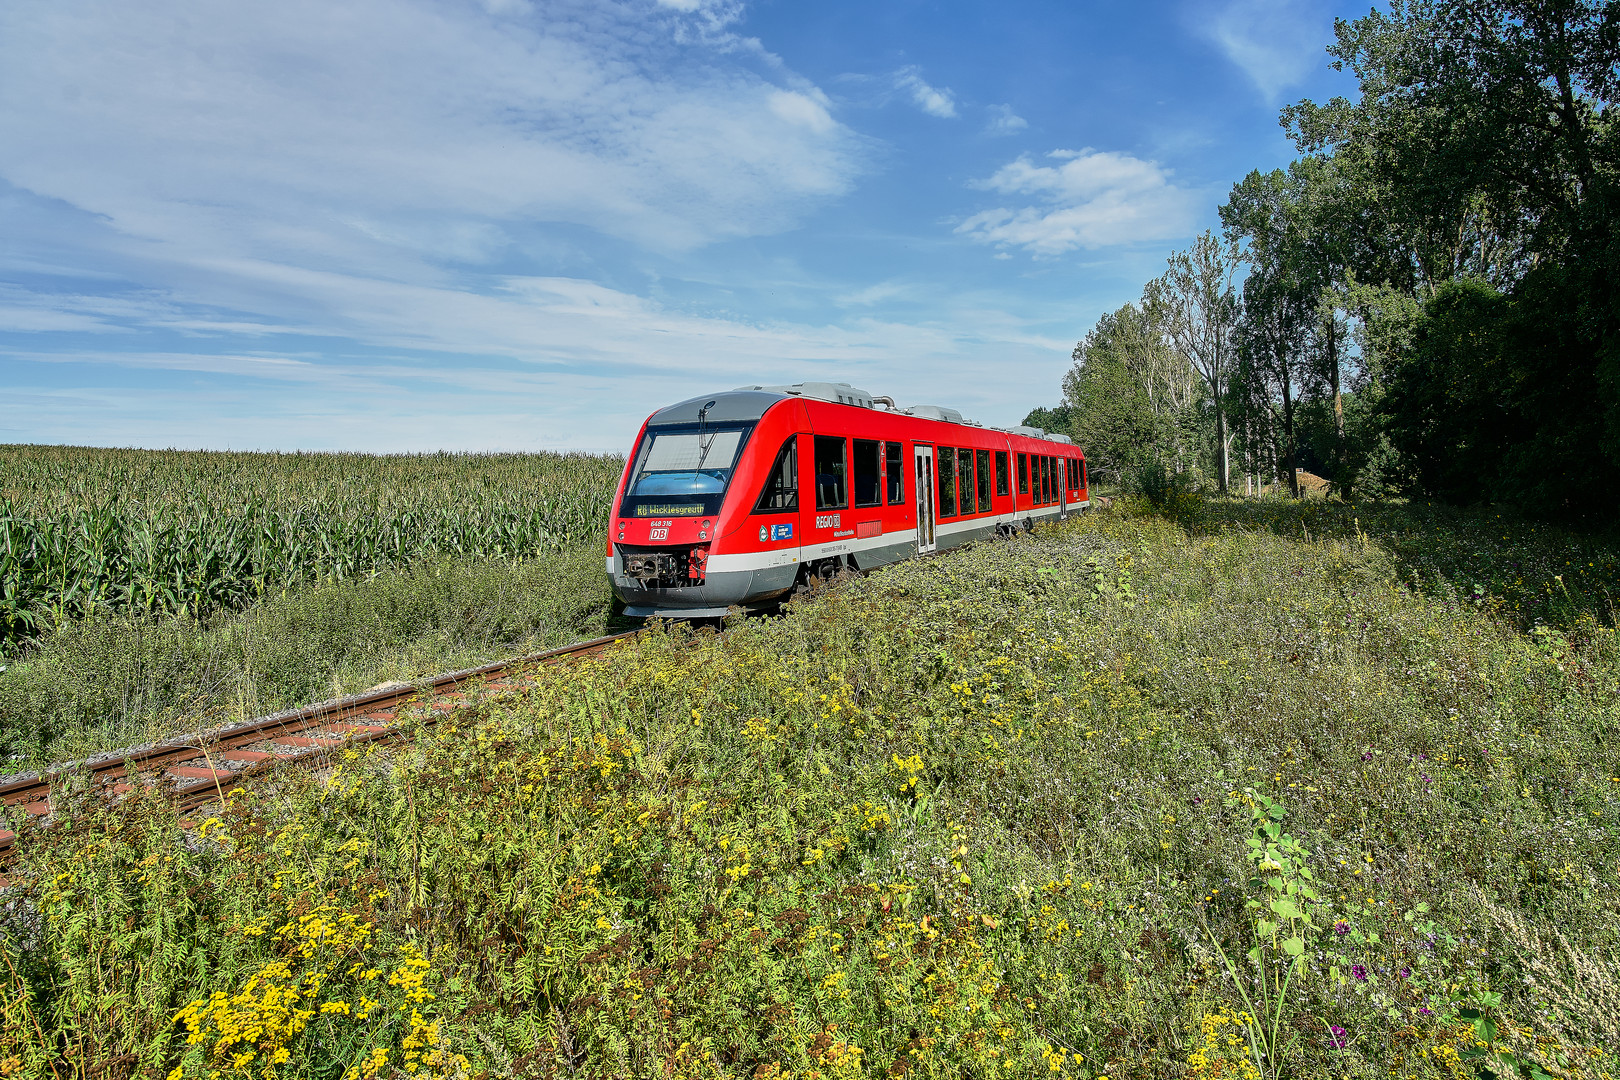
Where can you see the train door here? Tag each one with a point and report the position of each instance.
(925, 498)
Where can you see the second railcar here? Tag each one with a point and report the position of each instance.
(732, 499)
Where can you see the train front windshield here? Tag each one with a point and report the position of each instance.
(683, 471)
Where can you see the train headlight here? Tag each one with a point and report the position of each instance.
(705, 523)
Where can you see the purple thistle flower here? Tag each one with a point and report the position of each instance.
(1359, 971)
(1341, 928)
(1406, 973)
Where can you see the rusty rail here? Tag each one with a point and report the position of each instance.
(202, 769)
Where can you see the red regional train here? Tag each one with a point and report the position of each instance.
(733, 499)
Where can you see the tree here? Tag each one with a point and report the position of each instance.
(1060, 419)
(1194, 305)
(1486, 140)
(1282, 293)
(1122, 409)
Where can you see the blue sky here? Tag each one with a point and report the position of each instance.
(517, 225)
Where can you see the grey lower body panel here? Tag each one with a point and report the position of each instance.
(873, 557)
(956, 538)
(717, 595)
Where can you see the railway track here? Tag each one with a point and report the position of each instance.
(198, 770)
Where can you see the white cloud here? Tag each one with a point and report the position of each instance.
(1088, 199)
(1276, 42)
(360, 133)
(1003, 121)
(935, 101)
(540, 362)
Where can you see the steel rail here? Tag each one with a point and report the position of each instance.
(204, 767)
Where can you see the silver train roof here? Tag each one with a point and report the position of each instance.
(750, 403)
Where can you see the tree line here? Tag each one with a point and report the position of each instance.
(1426, 300)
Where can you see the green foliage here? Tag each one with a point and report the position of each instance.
(1283, 929)
(1499, 400)
(1059, 418)
(1446, 402)
(1132, 400)
(959, 817)
(87, 531)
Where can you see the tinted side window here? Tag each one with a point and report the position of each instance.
(897, 475)
(1001, 472)
(832, 492)
(1023, 474)
(964, 478)
(983, 457)
(947, 482)
(781, 491)
(868, 490)
(1050, 472)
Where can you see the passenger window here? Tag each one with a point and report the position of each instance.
(1074, 475)
(781, 491)
(1023, 474)
(868, 488)
(947, 482)
(984, 480)
(1001, 473)
(897, 474)
(964, 478)
(831, 477)
(1051, 478)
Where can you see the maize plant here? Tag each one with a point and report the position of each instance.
(190, 533)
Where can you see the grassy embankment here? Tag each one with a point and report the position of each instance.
(148, 593)
(981, 815)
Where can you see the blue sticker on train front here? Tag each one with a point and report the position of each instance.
(782, 532)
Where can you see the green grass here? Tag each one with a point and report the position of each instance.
(85, 532)
(980, 815)
(118, 680)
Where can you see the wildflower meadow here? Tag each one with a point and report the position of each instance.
(1129, 797)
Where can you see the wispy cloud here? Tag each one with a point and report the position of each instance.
(365, 131)
(1276, 42)
(1087, 199)
(1003, 121)
(934, 100)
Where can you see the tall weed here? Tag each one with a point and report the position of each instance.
(114, 680)
(976, 815)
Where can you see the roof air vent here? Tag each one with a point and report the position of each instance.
(839, 393)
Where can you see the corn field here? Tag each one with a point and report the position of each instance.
(190, 533)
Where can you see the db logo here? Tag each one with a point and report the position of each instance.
(658, 534)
